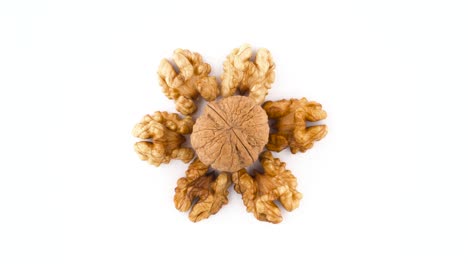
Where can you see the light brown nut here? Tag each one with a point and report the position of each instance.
(209, 192)
(165, 131)
(260, 192)
(255, 77)
(230, 133)
(191, 81)
(291, 124)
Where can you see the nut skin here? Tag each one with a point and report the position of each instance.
(230, 133)
(291, 124)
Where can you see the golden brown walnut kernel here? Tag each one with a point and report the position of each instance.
(191, 80)
(166, 132)
(209, 191)
(230, 133)
(260, 192)
(291, 124)
(241, 73)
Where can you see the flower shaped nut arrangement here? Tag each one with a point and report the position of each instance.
(230, 135)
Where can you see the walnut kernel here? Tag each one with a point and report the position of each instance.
(166, 133)
(191, 80)
(255, 77)
(210, 190)
(260, 192)
(292, 116)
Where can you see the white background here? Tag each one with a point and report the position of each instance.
(387, 185)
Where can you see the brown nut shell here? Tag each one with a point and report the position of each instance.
(230, 133)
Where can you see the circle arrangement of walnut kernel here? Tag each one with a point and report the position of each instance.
(230, 135)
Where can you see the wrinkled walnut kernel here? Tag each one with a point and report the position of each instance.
(260, 192)
(210, 190)
(241, 73)
(165, 130)
(292, 116)
(231, 133)
(191, 80)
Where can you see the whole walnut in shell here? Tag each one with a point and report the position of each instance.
(230, 135)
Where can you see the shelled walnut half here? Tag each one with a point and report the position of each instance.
(166, 132)
(259, 192)
(291, 123)
(206, 191)
(188, 81)
(246, 75)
